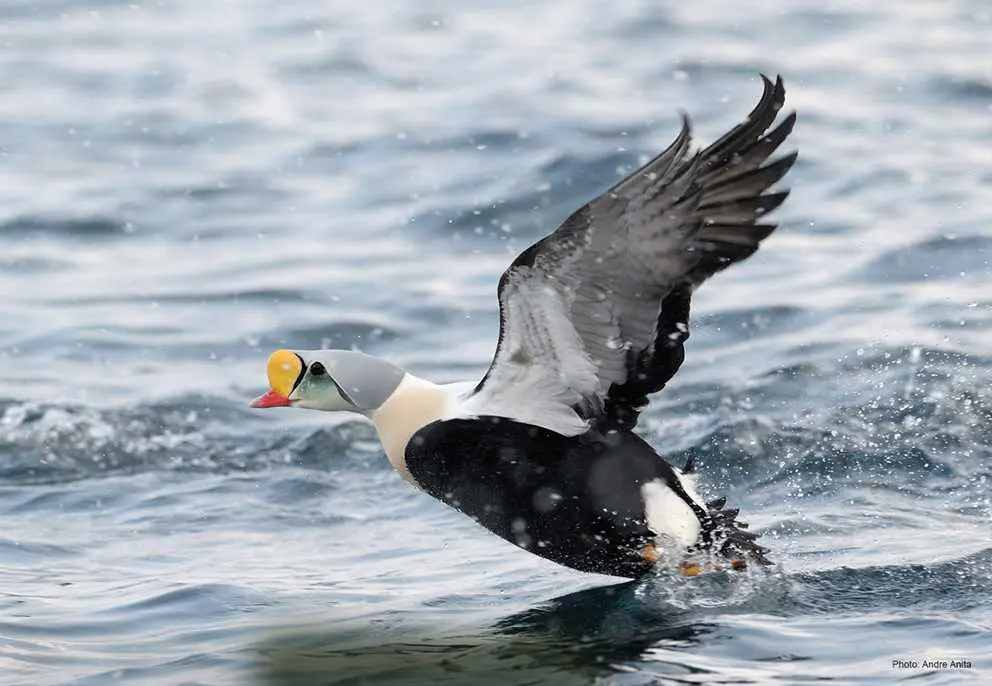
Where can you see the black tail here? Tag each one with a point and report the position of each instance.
(723, 533)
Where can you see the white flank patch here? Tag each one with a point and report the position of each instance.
(668, 515)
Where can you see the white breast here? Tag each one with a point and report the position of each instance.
(413, 405)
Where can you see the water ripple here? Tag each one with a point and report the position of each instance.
(186, 186)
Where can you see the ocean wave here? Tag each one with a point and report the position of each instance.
(48, 442)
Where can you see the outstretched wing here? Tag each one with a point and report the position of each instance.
(593, 316)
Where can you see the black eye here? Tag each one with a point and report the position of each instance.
(317, 369)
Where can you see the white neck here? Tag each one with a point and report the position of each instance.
(413, 405)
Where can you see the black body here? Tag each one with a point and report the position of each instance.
(574, 500)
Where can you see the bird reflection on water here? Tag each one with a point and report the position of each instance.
(570, 639)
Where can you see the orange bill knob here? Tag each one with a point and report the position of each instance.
(284, 370)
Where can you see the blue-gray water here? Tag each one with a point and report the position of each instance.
(185, 186)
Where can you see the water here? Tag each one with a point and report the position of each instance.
(186, 186)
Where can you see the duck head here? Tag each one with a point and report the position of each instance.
(329, 380)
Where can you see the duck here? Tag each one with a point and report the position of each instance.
(543, 451)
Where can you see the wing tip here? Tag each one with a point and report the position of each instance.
(772, 96)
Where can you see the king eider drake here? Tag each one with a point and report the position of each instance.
(593, 320)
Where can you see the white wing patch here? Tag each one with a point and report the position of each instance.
(541, 370)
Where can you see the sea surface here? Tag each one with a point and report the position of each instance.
(186, 186)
